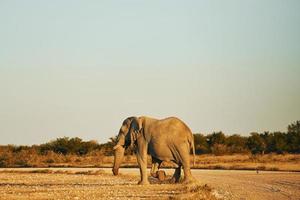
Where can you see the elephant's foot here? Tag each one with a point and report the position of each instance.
(174, 179)
(153, 174)
(188, 180)
(143, 182)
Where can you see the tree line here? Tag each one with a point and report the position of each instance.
(215, 143)
(267, 142)
(65, 146)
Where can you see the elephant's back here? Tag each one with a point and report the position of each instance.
(175, 123)
(171, 128)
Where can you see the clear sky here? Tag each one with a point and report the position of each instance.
(79, 68)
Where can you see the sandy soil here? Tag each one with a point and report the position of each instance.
(252, 185)
(90, 184)
(239, 184)
(226, 184)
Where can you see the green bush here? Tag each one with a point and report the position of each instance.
(67, 145)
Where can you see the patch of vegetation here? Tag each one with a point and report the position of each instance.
(257, 150)
(3, 159)
(22, 163)
(218, 143)
(194, 191)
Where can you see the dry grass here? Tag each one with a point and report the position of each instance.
(273, 162)
(194, 191)
(51, 171)
(72, 184)
(268, 162)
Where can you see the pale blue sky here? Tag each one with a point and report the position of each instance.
(79, 68)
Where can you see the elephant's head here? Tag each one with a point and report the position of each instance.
(126, 137)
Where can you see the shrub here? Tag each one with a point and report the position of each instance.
(3, 160)
(256, 144)
(236, 144)
(201, 145)
(219, 149)
(22, 163)
(50, 160)
(67, 145)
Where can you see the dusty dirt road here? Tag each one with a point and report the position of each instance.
(250, 185)
(81, 184)
(237, 184)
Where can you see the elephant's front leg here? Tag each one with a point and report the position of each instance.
(155, 167)
(142, 161)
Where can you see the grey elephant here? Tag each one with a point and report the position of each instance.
(167, 139)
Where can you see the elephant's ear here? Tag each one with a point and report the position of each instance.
(136, 129)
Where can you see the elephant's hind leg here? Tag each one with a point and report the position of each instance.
(176, 175)
(187, 174)
(185, 158)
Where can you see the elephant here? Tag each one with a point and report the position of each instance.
(168, 139)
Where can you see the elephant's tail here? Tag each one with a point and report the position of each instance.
(193, 149)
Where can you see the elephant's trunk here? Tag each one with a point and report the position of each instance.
(119, 155)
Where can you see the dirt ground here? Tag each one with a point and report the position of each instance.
(265, 185)
(100, 184)
(90, 184)
(243, 184)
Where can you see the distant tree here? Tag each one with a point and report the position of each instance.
(256, 143)
(268, 140)
(201, 145)
(293, 137)
(279, 142)
(88, 146)
(67, 145)
(17, 149)
(75, 145)
(216, 138)
(219, 149)
(236, 143)
(107, 148)
(294, 127)
(216, 142)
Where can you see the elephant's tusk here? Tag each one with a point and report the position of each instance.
(117, 146)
